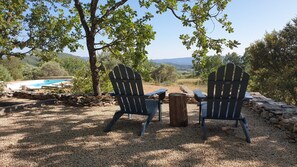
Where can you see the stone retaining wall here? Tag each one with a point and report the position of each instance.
(277, 114)
(69, 99)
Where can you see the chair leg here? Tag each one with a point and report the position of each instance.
(245, 128)
(199, 113)
(116, 116)
(199, 116)
(204, 129)
(160, 111)
(146, 123)
(236, 123)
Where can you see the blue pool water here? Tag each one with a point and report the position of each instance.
(47, 83)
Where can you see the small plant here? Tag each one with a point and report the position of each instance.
(2, 85)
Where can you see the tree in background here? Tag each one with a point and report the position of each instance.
(233, 58)
(30, 72)
(52, 68)
(14, 66)
(71, 63)
(165, 73)
(211, 63)
(4, 74)
(82, 82)
(272, 62)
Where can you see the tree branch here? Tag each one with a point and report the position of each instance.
(107, 45)
(93, 10)
(111, 51)
(111, 10)
(82, 16)
(178, 17)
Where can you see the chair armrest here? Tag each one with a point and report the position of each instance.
(160, 92)
(111, 93)
(199, 95)
(247, 96)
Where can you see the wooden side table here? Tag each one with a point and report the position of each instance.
(178, 109)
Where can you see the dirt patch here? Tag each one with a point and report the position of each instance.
(151, 87)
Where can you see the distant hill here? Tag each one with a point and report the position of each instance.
(177, 61)
(181, 64)
(63, 55)
(33, 60)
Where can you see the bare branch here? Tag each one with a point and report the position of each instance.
(178, 17)
(17, 54)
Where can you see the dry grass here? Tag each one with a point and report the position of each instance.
(190, 83)
(67, 136)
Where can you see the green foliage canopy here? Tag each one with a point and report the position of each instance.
(110, 25)
(30, 27)
(273, 64)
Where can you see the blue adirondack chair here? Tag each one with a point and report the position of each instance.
(225, 96)
(129, 93)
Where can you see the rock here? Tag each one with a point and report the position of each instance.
(291, 110)
(295, 128)
(287, 115)
(278, 112)
(271, 107)
(287, 106)
(271, 115)
(265, 114)
(273, 120)
(284, 121)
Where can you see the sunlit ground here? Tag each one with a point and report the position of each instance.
(72, 136)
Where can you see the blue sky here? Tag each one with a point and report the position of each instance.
(250, 20)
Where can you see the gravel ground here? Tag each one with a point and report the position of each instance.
(67, 136)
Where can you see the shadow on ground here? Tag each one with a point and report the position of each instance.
(70, 136)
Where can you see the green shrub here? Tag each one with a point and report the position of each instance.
(4, 74)
(2, 85)
(52, 69)
(82, 82)
(165, 74)
(30, 72)
(14, 66)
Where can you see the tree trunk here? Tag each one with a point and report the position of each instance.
(94, 68)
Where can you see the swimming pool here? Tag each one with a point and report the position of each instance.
(35, 84)
(50, 82)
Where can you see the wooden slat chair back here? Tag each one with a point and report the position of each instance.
(226, 92)
(225, 96)
(128, 90)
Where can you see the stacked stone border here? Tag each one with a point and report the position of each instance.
(19, 107)
(277, 114)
